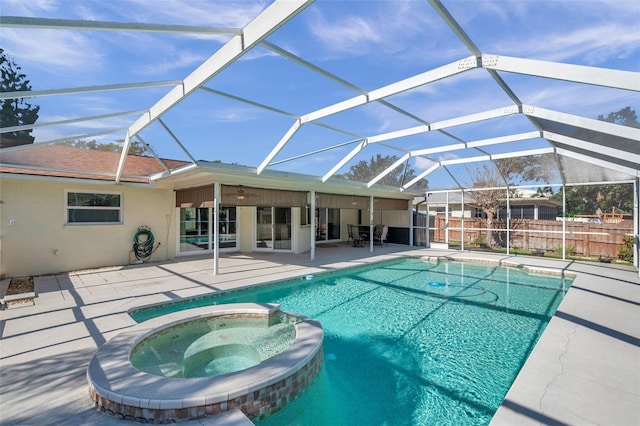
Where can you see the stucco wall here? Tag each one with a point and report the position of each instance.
(39, 242)
(245, 228)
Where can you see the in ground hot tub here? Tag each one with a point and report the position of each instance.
(203, 361)
(215, 345)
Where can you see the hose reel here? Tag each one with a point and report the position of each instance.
(143, 243)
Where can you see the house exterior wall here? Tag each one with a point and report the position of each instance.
(39, 242)
(454, 211)
(246, 227)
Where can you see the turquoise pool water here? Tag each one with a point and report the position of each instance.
(411, 342)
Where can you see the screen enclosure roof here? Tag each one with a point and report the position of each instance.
(440, 89)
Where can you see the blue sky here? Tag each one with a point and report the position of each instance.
(370, 44)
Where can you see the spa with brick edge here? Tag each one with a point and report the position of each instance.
(120, 389)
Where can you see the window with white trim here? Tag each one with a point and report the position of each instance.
(93, 207)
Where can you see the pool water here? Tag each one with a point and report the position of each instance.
(411, 342)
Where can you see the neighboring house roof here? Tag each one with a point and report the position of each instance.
(69, 162)
(455, 197)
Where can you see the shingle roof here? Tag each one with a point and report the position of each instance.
(70, 162)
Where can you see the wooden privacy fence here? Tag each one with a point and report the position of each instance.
(582, 238)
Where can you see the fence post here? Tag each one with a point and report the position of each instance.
(585, 239)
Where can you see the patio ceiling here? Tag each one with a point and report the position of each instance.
(454, 108)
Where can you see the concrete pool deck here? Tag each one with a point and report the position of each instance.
(585, 369)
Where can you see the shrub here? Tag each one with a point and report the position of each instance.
(625, 252)
(571, 250)
(479, 241)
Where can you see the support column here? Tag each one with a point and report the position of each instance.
(446, 221)
(313, 224)
(371, 220)
(411, 224)
(426, 206)
(564, 222)
(508, 222)
(462, 223)
(216, 227)
(636, 224)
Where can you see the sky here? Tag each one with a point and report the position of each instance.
(369, 44)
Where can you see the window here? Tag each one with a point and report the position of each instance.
(305, 216)
(440, 211)
(94, 207)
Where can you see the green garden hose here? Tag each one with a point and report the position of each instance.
(143, 243)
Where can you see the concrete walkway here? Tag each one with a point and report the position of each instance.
(584, 371)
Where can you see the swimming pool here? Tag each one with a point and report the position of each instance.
(412, 342)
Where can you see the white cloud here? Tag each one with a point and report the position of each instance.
(235, 114)
(348, 34)
(382, 28)
(169, 61)
(27, 8)
(227, 14)
(53, 51)
(593, 45)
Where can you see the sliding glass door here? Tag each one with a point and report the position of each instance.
(196, 229)
(327, 224)
(227, 227)
(273, 228)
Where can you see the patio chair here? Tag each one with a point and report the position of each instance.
(382, 237)
(350, 231)
(355, 234)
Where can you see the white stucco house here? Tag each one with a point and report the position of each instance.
(62, 210)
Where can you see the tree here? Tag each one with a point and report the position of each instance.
(16, 111)
(596, 199)
(364, 171)
(135, 147)
(626, 117)
(489, 200)
(531, 168)
(511, 171)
